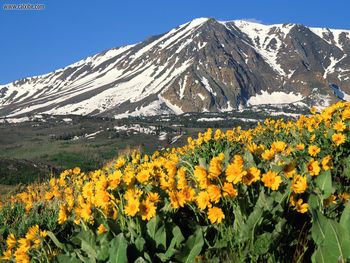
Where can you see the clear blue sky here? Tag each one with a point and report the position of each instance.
(37, 42)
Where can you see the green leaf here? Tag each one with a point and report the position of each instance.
(140, 260)
(318, 225)
(313, 201)
(103, 248)
(345, 217)
(89, 249)
(61, 258)
(249, 159)
(175, 241)
(324, 183)
(336, 243)
(319, 256)
(140, 243)
(55, 240)
(152, 227)
(193, 247)
(160, 237)
(262, 243)
(118, 249)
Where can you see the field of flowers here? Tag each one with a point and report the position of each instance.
(276, 193)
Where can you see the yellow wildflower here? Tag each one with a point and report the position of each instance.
(11, 241)
(132, 207)
(62, 215)
(330, 200)
(101, 229)
(300, 146)
(268, 154)
(313, 150)
(203, 200)
(278, 146)
(147, 210)
(234, 173)
(313, 167)
(76, 170)
(301, 207)
(215, 215)
(299, 184)
(252, 176)
(215, 166)
(338, 138)
(327, 163)
(214, 193)
(229, 190)
(339, 126)
(201, 176)
(271, 180)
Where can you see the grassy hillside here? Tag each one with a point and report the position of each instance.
(278, 192)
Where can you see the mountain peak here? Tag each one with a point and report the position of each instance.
(202, 65)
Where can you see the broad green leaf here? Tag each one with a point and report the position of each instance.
(221, 243)
(61, 258)
(262, 243)
(152, 227)
(139, 244)
(175, 241)
(324, 183)
(193, 247)
(319, 256)
(55, 240)
(89, 249)
(336, 244)
(160, 237)
(249, 159)
(140, 260)
(313, 201)
(162, 257)
(147, 257)
(318, 226)
(345, 217)
(118, 249)
(103, 248)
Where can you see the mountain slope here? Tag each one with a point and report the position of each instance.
(203, 65)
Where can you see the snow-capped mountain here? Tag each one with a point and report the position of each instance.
(203, 65)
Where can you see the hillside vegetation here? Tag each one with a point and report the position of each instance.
(276, 193)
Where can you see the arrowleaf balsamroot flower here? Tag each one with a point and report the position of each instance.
(234, 171)
(301, 207)
(271, 180)
(278, 146)
(252, 176)
(299, 184)
(338, 138)
(147, 210)
(313, 150)
(215, 215)
(313, 167)
(203, 200)
(101, 229)
(132, 207)
(327, 163)
(339, 126)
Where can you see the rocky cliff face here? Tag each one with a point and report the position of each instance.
(203, 65)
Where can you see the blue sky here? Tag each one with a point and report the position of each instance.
(37, 42)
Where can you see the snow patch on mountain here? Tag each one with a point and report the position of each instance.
(277, 97)
(207, 86)
(266, 39)
(331, 68)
